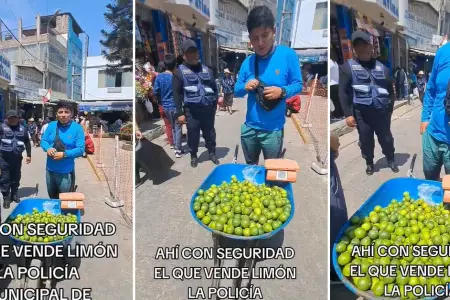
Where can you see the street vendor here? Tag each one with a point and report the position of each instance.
(63, 140)
(270, 76)
(14, 140)
(435, 117)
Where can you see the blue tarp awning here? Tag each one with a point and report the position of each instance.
(103, 106)
(312, 55)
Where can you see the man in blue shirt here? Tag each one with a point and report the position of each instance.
(435, 122)
(63, 141)
(164, 93)
(270, 76)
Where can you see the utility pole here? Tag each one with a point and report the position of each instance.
(441, 15)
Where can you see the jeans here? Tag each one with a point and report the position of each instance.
(435, 154)
(171, 116)
(59, 183)
(254, 141)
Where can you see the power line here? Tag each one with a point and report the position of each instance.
(9, 6)
(19, 41)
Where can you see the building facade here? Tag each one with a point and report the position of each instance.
(101, 86)
(53, 48)
(285, 20)
(312, 31)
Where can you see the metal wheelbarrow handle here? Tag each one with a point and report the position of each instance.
(236, 152)
(411, 166)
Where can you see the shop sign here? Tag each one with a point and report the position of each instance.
(28, 81)
(231, 18)
(5, 68)
(201, 5)
(422, 25)
(391, 6)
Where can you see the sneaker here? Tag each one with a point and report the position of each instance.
(194, 162)
(178, 154)
(171, 147)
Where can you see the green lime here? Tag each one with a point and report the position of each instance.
(344, 258)
(206, 220)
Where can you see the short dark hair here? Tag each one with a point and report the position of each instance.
(169, 61)
(64, 104)
(260, 16)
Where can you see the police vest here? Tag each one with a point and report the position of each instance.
(366, 85)
(197, 86)
(13, 140)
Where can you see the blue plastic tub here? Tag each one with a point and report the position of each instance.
(223, 173)
(391, 189)
(54, 206)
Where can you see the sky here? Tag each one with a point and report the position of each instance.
(88, 14)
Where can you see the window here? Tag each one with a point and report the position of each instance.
(320, 16)
(119, 79)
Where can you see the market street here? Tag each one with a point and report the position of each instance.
(108, 278)
(407, 139)
(165, 220)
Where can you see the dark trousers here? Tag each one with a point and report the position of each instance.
(11, 165)
(369, 121)
(334, 95)
(201, 118)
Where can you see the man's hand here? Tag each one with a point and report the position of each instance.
(423, 127)
(181, 119)
(58, 156)
(251, 85)
(351, 122)
(272, 93)
(138, 134)
(28, 160)
(51, 152)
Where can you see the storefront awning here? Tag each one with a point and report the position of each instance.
(422, 52)
(103, 106)
(235, 50)
(312, 55)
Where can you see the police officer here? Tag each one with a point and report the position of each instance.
(14, 140)
(195, 95)
(367, 98)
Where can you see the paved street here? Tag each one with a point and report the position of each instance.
(108, 278)
(163, 219)
(358, 186)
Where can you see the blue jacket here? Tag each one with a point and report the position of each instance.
(72, 136)
(280, 69)
(163, 88)
(433, 110)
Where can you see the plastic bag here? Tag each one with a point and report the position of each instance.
(52, 207)
(426, 191)
(250, 173)
(416, 92)
(149, 106)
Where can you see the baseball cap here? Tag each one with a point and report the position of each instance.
(12, 113)
(187, 44)
(360, 35)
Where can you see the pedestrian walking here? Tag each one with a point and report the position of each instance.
(14, 140)
(32, 130)
(269, 77)
(195, 95)
(421, 85)
(164, 94)
(435, 126)
(367, 98)
(63, 140)
(228, 90)
(334, 85)
(400, 79)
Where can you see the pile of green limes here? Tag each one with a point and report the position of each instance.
(403, 223)
(44, 218)
(242, 208)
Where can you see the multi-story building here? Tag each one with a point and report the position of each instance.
(104, 91)
(52, 47)
(284, 21)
